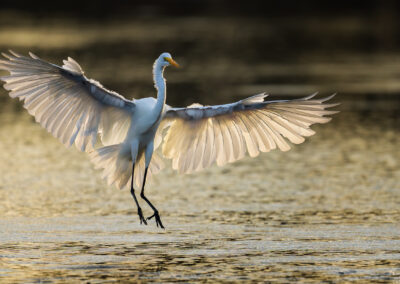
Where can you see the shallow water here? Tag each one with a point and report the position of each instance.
(328, 210)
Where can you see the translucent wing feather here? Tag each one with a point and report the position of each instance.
(70, 106)
(199, 135)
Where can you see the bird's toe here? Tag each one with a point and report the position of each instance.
(141, 217)
(158, 219)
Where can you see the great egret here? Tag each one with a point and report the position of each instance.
(77, 110)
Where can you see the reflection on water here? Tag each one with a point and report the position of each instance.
(102, 248)
(328, 210)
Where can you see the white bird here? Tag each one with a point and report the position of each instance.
(78, 110)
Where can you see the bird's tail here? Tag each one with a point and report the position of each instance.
(117, 165)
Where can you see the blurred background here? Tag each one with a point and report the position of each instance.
(228, 49)
(328, 210)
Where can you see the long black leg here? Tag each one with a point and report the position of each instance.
(142, 219)
(155, 215)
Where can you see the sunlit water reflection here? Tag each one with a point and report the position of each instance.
(326, 210)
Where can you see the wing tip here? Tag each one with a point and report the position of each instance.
(323, 100)
(34, 56)
(332, 105)
(310, 96)
(14, 53)
(328, 98)
(5, 55)
(319, 100)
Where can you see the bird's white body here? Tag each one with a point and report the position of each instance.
(144, 125)
(78, 110)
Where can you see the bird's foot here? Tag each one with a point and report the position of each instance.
(141, 217)
(158, 219)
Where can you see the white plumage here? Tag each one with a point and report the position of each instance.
(199, 136)
(78, 110)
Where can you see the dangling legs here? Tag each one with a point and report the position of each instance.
(155, 215)
(148, 154)
(134, 152)
(142, 219)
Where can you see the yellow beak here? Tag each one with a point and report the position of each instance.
(172, 62)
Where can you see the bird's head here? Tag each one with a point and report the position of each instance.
(165, 59)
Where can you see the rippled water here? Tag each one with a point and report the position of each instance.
(328, 210)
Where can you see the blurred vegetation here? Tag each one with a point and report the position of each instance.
(227, 50)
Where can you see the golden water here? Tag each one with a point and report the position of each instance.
(326, 210)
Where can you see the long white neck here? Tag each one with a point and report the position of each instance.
(159, 84)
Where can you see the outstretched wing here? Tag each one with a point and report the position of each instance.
(200, 135)
(70, 106)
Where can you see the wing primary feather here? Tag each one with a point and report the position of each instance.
(200, 153)
(236, 150)
(228, 147)
(58, 113)
(264, 127)
(296, 134)
(219, 149)
(211, 142)
(280, 142)
(262, 138)
(251, 145)
(255, 132)
(242, 143)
